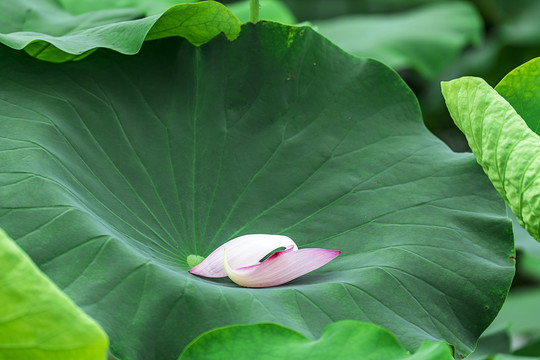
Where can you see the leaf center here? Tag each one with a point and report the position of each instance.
(194, 260)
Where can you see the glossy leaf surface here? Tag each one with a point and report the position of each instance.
(37, 320)
(346, 339)
(521, 88)
(48, 32)
(114, 169)
(502, 141)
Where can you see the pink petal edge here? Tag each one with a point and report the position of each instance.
(242, 251)
(281, 267)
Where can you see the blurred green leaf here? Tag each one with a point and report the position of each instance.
(516, 325)
(529, 263)
(519, 312)
(511, 357)
(528, 257)
(346, 339)
(531, 349)
(324, 9)
(426, 39)
(37, 320)
(522, 28)
(274, 10)
(489, 344)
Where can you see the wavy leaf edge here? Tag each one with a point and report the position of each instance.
(56, 49)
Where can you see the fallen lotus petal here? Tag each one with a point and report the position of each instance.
(281, 267)
(242, 251)
(239, 259)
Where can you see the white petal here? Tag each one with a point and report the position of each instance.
(241, 252)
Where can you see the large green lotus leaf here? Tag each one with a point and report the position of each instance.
(114, 169)
(345, 339)
(503, 144)
(37, 320)
(426, 39)
(46, 31)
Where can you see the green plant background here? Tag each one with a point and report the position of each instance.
(510, 37)
(345, 339)
(88, 171)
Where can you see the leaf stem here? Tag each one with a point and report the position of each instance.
(254, 11)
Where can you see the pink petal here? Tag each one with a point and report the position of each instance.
(242, 251)
(281, 267)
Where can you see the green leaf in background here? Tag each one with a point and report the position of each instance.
(514, 334)
(518, 316)
(511, 357)
(345, 339)
(507, 149)
(531, 349)
(274, 10)
(322, 9)
(48, 32)
(528, 251)
(491, 343)
(115, 169)
(522, 29)
(518, 313)
(426, 39)
(37, 320)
